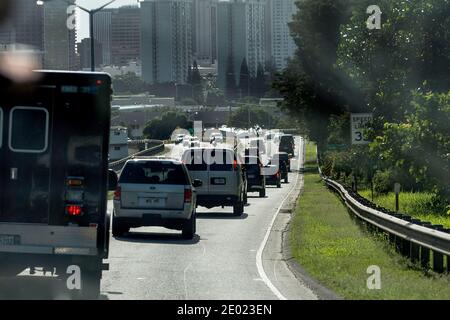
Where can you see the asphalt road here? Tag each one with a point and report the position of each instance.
(230, 257)
(220, 263)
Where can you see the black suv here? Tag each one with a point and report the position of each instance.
(284, 164)
(256, 181)
(287, 144)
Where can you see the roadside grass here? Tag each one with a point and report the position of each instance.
(333, 248)
(415, 204)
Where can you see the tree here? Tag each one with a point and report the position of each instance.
(197, 84)
(244, 79)
(260, 82)
(311, 86)
(250, 114)
(230, 80)
(161, 128)
(129, 83)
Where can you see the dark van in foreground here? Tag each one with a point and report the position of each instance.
(54, 137)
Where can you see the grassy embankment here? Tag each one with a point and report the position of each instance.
(417, 205)
(328, 242)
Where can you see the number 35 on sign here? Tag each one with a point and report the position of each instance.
(359, 123)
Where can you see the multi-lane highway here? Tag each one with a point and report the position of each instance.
(229, 258)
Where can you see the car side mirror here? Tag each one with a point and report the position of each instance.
(112, 180)
(197, 183)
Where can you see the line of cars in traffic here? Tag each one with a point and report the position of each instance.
(165, 192)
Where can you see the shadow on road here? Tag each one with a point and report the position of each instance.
(220, 215)
(163, 238)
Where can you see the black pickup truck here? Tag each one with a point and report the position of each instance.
(54, 178)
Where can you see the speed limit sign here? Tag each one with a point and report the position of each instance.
(359, 123)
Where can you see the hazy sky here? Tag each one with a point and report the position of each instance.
(83, 17)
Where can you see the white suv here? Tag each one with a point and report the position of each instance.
(224, 182)
(155, 192)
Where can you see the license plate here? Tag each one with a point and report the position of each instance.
(152, 202)
(220, 181)
(9, 240)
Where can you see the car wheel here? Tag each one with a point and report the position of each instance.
(238, 209)
(119, 229)
(262, 193)
(189, 227)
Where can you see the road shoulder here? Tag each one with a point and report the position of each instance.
(282, 269)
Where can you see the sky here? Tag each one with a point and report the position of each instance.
(83, 17)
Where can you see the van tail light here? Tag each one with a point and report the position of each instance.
(187, 195)
(74, 210)
(117, 194)
(235, 165)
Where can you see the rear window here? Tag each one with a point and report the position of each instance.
(220, 160)
(154, 172)
(287, 139)
(194, 160)
(252, 167)
(28, 129)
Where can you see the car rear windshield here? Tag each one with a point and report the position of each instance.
(252, 168)
(287, 139)
(218, 160)
(195, 161)
(154, 172)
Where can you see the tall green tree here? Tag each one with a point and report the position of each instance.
(311, 86)
(230, 80)
(244, 79)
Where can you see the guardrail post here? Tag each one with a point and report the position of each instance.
(425, 252)
(415, 248)
(438, 258)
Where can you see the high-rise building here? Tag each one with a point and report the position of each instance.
(59, 39)
(24, 25)
(204, 30)
(241, 34)
(281, 46)
(118, 31)
(45, 29)
(102, 33)
(84, 52)
(125, 35)
(166, 33)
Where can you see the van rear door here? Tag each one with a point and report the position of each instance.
(25, 153)
(223, 178)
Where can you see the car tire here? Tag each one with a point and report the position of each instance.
(238, 209)
(189, 227)
(262, 193)
(286, 180)
(119, 229)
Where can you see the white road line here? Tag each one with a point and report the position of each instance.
(259, 263)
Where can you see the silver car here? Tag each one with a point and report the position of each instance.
(224, 181)
(155, 192)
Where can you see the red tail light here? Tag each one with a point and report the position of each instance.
(235, 164)
(74, 210)
(117, 194)
(187, 195)
(278, 174)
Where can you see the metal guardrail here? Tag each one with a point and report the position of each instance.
(118, 165)
(413, 238)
